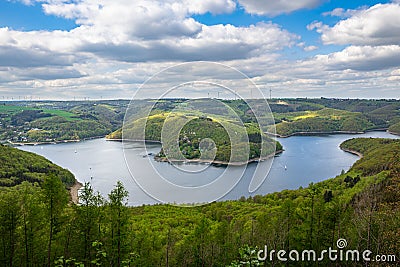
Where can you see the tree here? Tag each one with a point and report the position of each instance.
(55, 197)
(247, 257)
(9, 216)
(32, 222)
(119, 219)
(88, 219)
(313, 191)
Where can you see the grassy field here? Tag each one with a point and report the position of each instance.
(61, 113)
(13, 109)
(8, 109)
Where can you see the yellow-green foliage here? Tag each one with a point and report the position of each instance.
(395, 128)
(324, 120)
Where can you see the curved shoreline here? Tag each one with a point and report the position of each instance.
(133, 140)
(393, 133)
(53, 142)
(315, 133)
(352, 152)
(218, 162)
(330, 132)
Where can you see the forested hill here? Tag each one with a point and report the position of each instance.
(52, 121)
(17, 166)
(378, 155)
(395, 128)
(361, 206)
(302, 116)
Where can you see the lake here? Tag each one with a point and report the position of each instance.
(306, 159)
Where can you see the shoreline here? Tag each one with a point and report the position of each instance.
(132, 140)
(328, 133)
(314, 133)
(354, 152)
(52, 142)
(74, 191)
(218, 162)
(398, 134)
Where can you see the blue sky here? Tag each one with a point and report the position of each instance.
(19, 16)
(61, 49)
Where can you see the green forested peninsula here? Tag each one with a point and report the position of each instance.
(201, 138)
(39, 227)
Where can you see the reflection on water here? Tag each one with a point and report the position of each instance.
(306, 159)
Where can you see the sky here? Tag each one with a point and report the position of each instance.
(106, 49)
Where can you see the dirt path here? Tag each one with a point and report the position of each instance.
(74, 191)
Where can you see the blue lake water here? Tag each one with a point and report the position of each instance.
(306, 159)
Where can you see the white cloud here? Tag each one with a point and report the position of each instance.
(216, 42)
(124, 20)
(310, 48)
(26, 2)
(104, 52)
(143, 30)
(377, 25)
(307, 48)
(315, 77)
(318, 26)
(342, 13)
(395, 72)
(18, 57)
(119, 44)
(276, 7)
(363, 58)
(46, 73)
(212, 6)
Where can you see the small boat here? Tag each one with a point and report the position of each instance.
(285, 168)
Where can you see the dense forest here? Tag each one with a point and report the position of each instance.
(40, 227)
(18, 166)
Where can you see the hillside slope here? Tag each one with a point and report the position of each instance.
(395, 128)
(17, 166)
